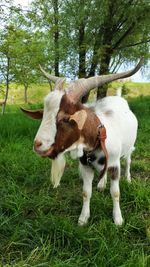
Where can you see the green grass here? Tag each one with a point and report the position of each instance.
(133, 89)
(38, 224)
(36, 92)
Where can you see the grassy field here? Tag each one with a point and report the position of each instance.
(36, 92)
(38, 224)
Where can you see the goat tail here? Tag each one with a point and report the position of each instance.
(119, 91)
(57, 169)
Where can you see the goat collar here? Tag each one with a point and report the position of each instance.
(100, 143)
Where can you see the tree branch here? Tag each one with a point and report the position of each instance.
(138, 43)
(123, 36)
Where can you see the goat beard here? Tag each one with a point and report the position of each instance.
(57, 169)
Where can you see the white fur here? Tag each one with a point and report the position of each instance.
(77, 152)
(87, 175)
(47, 131)
(57, 169)
(121, 126)
(115, 193)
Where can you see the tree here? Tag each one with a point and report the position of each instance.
(56, 35)
(75, 38)
(5, 62)
(28, 55)
(21, 52)
(7, 12)
(46, 18)
(113, 31)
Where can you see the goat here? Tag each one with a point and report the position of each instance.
(68, 125)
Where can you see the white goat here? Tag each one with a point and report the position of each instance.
(68, 125)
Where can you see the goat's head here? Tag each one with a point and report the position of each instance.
(64, 118)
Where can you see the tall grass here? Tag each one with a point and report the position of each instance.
(38, 225)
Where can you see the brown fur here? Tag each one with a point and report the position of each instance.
(89, 130)
(67, 134)
(67, 129)
(114, 172)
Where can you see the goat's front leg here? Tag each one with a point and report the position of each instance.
(87, 175)
(115, 193)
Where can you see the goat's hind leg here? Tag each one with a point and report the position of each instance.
(87, 175)
(102, 183)
(115, 193)
(128, 164)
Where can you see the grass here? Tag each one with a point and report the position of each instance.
(133, 89)
(38, 224)
(36, 92)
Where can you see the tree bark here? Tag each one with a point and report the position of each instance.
(82, 51)
(7, 86)
(26, 94)
(56, 36)
(82, 56)
(104, 69)
(95, 56)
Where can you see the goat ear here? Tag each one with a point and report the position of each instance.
(34, 114)
(79, 117)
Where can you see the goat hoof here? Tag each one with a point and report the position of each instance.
(118, 221)
(83, 221)
(129, 180)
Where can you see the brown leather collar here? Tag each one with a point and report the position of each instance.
(102, 137)
(100, 143)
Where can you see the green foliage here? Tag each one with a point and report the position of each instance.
(125, 89)
(38, 224)
(81, 38)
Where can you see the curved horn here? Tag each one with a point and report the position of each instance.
(81, 87)
(57, 80)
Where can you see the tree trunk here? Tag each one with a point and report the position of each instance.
(95, 57)
(82, 56)
(104, 69)
(82, 51)
(7, 86)
(56, 36)
(94, 63)
(26, 94)
(50, 85)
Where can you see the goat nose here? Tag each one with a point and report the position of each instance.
(37, 143)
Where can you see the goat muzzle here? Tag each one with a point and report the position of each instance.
(37, 144)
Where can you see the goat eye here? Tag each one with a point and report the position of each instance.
(65, 119)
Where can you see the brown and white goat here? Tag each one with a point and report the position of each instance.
(68, 125)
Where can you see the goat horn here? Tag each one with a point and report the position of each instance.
(57, 80)
(81, 87)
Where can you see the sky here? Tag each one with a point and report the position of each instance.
(23, 3)
(138, 77)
